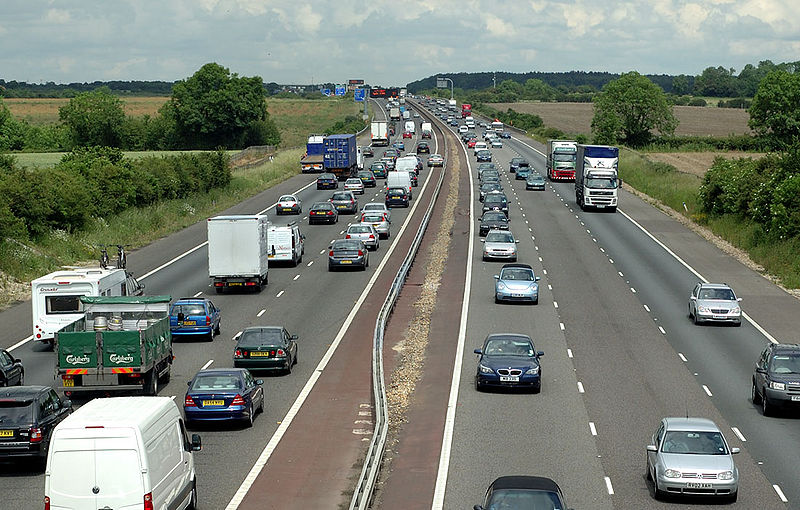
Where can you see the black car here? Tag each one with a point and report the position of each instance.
(11, 371)
(495, 202)
(323, 212)
(468, 136)
(505, 134)
(367, 178)
(423, 147)
(482, 167)
(396, 197)
(327, 181)
(493, 220)
(776, 378)
(391, 153)
(367, 152)
(266, 348)
(483, 155)
(528, 492)
(508, 360)
(345, 201)
(488, 187)
(28, 415)
(516, 163)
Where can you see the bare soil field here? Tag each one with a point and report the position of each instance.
(696, 163)
(693, 120)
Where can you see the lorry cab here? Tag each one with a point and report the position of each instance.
(497, 126)
(286, 243)
(410, 126)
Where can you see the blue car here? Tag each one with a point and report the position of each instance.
(399, 145)
(522, 173)
(223, 394)
(508, 360)
(516, 282)
(195, 317)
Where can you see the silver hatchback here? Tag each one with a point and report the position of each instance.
(378, 221)
(365, 233)
(500, 244)
(714, 302)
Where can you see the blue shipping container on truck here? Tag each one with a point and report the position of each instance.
(340, 151)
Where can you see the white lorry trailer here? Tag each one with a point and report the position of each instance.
(380, 133)
(238, 251)
(427, 129)
(596, 179)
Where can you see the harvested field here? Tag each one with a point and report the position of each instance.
(696, 163)
(693, 120)
(39, 111)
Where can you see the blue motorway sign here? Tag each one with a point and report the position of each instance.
(359, 94)
(326, 92)
(340, 91)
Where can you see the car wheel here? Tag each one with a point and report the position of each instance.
(216, 330)
(478, 386)
(536, 301)
(288, 370)
(249, 421)
(261, 405)
(21, 381)
(737, 324)
(733, 497)
(690, 311)
(538, 388)
(193, 496)
(647, 474)
(694, 319)
(754, 396)
(658, 493)
(210, 336)
(766, 406)
(496, 299)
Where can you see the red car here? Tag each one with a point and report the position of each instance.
(471, 143)
(407, 134)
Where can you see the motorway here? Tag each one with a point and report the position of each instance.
(620, 353)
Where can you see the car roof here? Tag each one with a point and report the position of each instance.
(191, 299)
(691, 424)
(526, 482)
(715, 286)
(262, 328)
(521, 266)
(785, 347)
(22, 391)
(214, 371)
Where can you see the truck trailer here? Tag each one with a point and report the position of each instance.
(394, 113)
(380, 133)
(596, 179)
(427, 129)
(561, 157)
(341, 155)
(238, 251)
(311, 162)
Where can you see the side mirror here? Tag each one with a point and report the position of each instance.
(259, 381)
(734, 451)
(652, 448)
(483, 240)
(516, 241)
(538, 278)
(497, 277)
(478, 351)
(620, 183)
(197, 444)
(540, 353)
(739, 299)
(330, 246)
(477, 507)
(294, 337)
(181, 316)
(692, 298)
(66, 404)
(188, 383)
(761, 370)
(17, 360)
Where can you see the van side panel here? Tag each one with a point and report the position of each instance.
(165, 463)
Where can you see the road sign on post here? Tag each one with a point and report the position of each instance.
(340, 90)
(326, 92)
(359, 94)
(441, 83)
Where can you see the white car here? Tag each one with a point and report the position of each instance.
(364, 232)
(480, 146)
(497, 143)
(378, 207)
(354, 185)
(462, 129)
(289, 204)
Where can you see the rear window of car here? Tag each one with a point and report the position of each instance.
(261, 337)
(189, 309)
(353, 181)
(494, 216)
(396, 192)
(216, 382)
(327, 177)
(346, 244)
(359, 229)
(320, 206)
(341, 196)
(13, 411)
(286, 198)
(373, 218)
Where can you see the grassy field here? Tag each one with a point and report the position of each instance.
(697, 163)
(49, 159)
(693, 120)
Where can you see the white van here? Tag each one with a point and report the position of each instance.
(286, 243)
(479, 146)
(55, 298)
(399, 180)
(407, 163)
(122, 453)
(410, 126)
(462, 129)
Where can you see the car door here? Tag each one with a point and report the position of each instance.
(215, 314)
(652, 457)
(255, 391)
(290, 345)
(762, 363)
(11, 369)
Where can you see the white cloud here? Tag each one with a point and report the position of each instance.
(690, 18)
(57, 16)
(498, 27)
(581, 18)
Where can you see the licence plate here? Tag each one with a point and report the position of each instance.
(517, 295)
(719, 316)
(68, 383)
(234, 284)
(345, 261)
(509, 378)
(257, 354)
(795, 398)
(340, 206)
(189, 323)
(6, 433)
(207, 403)
(599, 206)
(287, 209)
(694, 485)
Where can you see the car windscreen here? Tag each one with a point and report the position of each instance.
(13, 412)
(346, 245)
(189, 309)
(341, 196)
(373, 218)
(216, 382)
(786, 363)
(518, 274)
(499, 237)
(258, 337)
(721, 294)
(508, 347)
(601, 183)
(494, 197)
(494, 216)
(524, 499)
(694, 443)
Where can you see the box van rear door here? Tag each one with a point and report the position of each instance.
(118, 479)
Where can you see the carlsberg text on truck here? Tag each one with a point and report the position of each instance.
(596, 179)
(561, 156)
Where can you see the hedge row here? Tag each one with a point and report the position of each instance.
(744, 143)
(524, 121)
(98, 182)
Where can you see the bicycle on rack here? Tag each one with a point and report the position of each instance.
(104, 260)
(122, 258)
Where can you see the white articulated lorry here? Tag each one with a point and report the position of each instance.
(380, 133)
(596, 178)
(427, 129)
(238, 251)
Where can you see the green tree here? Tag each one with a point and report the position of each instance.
(215, 108)
(629, 108)
(680, 85)
(537, 89)
(94, 118)
(716, 82)
(775, 111)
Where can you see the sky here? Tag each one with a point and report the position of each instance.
(387, 43)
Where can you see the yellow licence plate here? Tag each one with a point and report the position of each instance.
(189, 323)
(258, 353)
(69, 383)
(207, 403)
(6, 433)
(345, 261)
(235, 284)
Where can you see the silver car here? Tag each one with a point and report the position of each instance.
(516, 282)
(500, 244)
(379, 207)
(690, 456)
(378, 221)
(364, 232)
(355, 185)
(714, 302)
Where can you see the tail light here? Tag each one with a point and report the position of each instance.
(330, 213)
(148, 501)
(330, 253)
(347, 236)
(237, 353)
(281, 352)
(237, 400)
(189, 402)
(360, 253)
(35, 435)
(47, 503)
(371, 236)
(208, 320)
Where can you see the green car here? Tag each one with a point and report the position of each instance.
(378, 170)
(265, 348)
(535, 182)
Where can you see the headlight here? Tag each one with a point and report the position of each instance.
(703, 309)
(736, 310)
(671, 473)
(726, 475)
(501, 286)
(777, 385)
(485, 370)
(533, 371)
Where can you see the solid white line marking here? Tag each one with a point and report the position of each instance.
(259, 314)
(662, 330)
(279, 294)
(682, 357)
(780, 493)
(569, 352)
(312, 381)
(561, 325)
(208, 364)
(620, 273)
(20, 343)
(611, 260)
(197, 294)
(170, 262)
(609, 486)
(296, 277)
(592, 428)
(580, 387)
(633, 290)
(647, 308)
(739, 434)
(309, 264)
(708, 392)
(555, 304)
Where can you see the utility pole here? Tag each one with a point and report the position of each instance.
(494, 80)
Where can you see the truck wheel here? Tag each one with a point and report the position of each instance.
(167, 375)
(151, 388)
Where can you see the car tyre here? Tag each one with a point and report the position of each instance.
(251, 417)
(210, 336)
(537, 389)
(766, 407)
(21, 381)
(478, 386)
(754, 396)
(733, 497)
(216, 330)
(658, 493)
(694, 319)
(536, 301)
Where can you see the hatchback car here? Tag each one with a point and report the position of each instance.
(505, 134)
(378, 169)
(495, 202)
(222, 394)
(379, 222)
(391, 153)
(493, 220)
(28, 415)
(195, 317)
(516, 163)
(367, 152)
(323, 212)
(288, 204)
(776, 378)
(354, 185)
(407, 134)
(396, 197)
(367, 179)
(516, 282)
(266, 348)
(377, 207)
(345, 202)
(690, 456)
(435, 160)
(486, 174)
(500, 244)
(489, 187)
(12, 373)
(714, 302)
(327, 181)
(496, 143)
(535, 182)
(472, 142)
(523, 492)
(388, 162)
(522, 173)
(348, 253)
(399, 145)
(423, 148)
(508, 360)
(365, 233)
